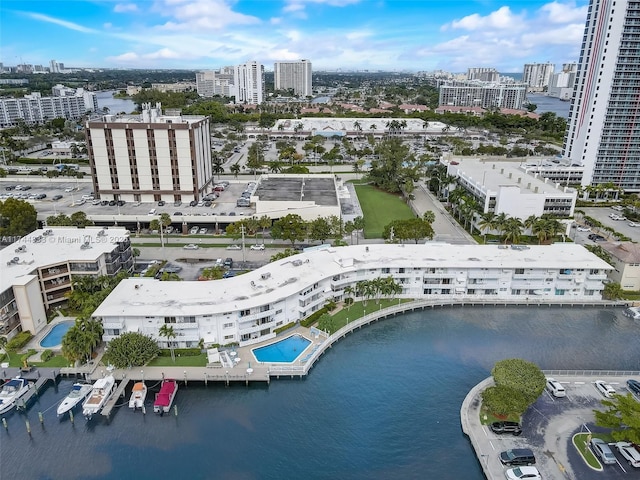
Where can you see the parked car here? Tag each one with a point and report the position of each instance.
(602, 450)
(161, 203)
(634, 387)
(234, 247)
(56, 197)
(207, 203)
(630, 453)
(203, 231)
(258, 246)
(169, 230)
(228, 274)
(191, 246)
(193, 203)
(194, 230)
(96, 202)
(228, 262)
(121, 203)
(596, 238)
(618, 208)
(555, 388)
(633, 224)
(177, 203)
(604, 388)
(152, 211)
(584, 229)
(527, 473)
(517, 457)
(513, 428)
(177, 214)
(68, 189)
(104, 203)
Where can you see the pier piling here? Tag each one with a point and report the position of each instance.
(28, 426)
(41, 418)
(4, 424)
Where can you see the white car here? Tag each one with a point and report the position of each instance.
(68, 189)
(618, 208)
(584, 229)
(555, 388)
(203, 231)
(194, 230)
(529, 473)
(234, 247)
(604, 388)
(633, 224)
(257, 247)
(191, 246)
(630, 453)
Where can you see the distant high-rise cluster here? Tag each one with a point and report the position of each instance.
(210, 83)
(604, 121)
(294, 76)
(537, 75)
(485, 95)
(483, 74)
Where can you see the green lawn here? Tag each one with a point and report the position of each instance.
(379, 209)
(190, 361)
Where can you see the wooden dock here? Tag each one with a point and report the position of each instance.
(33, 391)
(111, 403)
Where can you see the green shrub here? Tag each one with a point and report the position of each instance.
(19, 341)
(181, 352)
(46, 355)
(26, 356)
(313, 318)
(284, 327)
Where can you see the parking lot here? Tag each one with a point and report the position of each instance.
(549, 425)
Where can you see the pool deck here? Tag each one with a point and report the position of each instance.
(34, 343)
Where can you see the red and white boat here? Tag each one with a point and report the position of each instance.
(164, 398)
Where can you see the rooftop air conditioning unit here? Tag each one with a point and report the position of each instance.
(21, 249)
(297, 263)
(265, 276)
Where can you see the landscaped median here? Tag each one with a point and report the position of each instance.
(581, 442)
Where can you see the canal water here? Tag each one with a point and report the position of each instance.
(550, 104)
(382, 403)
(115, 105)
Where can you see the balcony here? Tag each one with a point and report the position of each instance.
(57, 284)
(113, 325)
(255, 328)
(54, 272)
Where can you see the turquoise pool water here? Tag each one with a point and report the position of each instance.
(284, 351)
(54, 337)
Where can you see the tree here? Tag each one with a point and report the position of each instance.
(168, 332)
(136, 253)
(17, 218)
(131, 349)
(612, 291)
(235, 169)
(410, 229)
(622, 415)
(359, 225)
(265, 223)
(320, 229)
(3, 346)
(520, 376)
(291, 227)
(287, 252)
(217, 167)
(212, 273)
(80, 220)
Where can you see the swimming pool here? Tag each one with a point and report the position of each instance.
(286, 350)
(54, 337)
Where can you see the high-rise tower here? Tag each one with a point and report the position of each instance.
(604, 121)
(293, 75)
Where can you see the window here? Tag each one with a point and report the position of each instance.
(228, 337)
(169, 319)
(227, 325)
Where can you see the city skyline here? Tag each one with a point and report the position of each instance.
(333, 34)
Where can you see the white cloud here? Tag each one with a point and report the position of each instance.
(62, 23)
(201, 15)
(564, 12)
(125, 7)
(502, 18)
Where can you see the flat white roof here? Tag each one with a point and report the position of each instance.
(286, 277)
(39, 249)
(493, 175)
(347, 125)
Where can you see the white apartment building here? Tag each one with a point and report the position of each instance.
(174, 87)
(248, 83)
(247, 308)
(561, 83)
(537, 75)
(150, 157)
(604, 121)
(484, 95)
(37, 271)
(505, 188)
(215, 82)
(483, 74)
(295, 76)
(34, 108)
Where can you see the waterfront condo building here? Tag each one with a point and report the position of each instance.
(249, 83)
(483, 94)
(537, 75)
(604, 121)
(150, 157)
(249, 308)
(37, 271)
(215, 82)
(294, 76)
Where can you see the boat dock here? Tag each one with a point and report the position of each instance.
(32, 392)
(111, 403)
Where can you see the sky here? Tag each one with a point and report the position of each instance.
(390, 35)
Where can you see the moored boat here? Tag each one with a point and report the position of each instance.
(101, 391)
(78, 393)
(138, 394)
(11, 393)
(632, 312)
(164, 398)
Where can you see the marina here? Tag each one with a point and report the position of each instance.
(378, 384)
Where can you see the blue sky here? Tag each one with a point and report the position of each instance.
(348, 34)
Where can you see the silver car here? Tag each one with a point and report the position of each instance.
(602, 450)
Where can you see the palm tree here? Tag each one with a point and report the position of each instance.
(3, 346)
(168, 332)
(530, 221)
(487, 223)
(512, 230)
(217, 166)
(348, 293)
(264, 222)
(235, 169)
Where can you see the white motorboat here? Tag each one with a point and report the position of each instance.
(11, 392)
(138, 394)
(164, 398)
(632, 312)
(101, 391)
(78, 393)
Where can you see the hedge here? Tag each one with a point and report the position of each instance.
(313, 318)
(284, 327)
(19, 341)
(46, 355)
(181, 352)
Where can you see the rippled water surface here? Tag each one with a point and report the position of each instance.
(382, 403)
